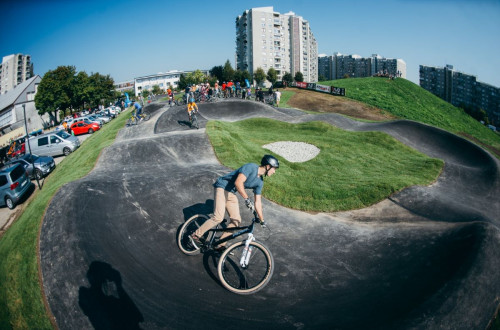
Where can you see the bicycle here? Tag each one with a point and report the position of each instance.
(133, 119)
(245, 267)
(181, 101)
(193, 120)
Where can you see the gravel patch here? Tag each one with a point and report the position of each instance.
(295, 152)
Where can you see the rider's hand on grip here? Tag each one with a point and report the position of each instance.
(249, 203)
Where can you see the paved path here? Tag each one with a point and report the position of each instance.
(425, 258)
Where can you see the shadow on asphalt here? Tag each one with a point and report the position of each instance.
(105, 302)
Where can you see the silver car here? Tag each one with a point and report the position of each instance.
(43, 165)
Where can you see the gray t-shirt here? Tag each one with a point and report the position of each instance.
(253, 181)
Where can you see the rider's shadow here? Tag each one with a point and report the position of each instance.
(184, 123)
(105, 302)
(200, 208)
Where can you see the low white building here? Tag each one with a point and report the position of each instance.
(14, 104)
(163, 80)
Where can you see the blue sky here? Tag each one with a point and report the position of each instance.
(127, 39)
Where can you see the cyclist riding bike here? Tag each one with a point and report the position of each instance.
(138, 110)
(191, 107)
(249, 176)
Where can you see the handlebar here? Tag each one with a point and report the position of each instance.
(256, 217)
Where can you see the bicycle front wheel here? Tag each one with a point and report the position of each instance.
(184, 240)
(147, 117)
(250, 278)
(195, 122)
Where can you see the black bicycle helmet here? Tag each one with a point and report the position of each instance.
(270, 160)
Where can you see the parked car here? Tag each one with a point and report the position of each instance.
(94, 119)
(108, 113)
(83, 127)
(103, 117)
(43, 165)
(53, 144)
(113, 109)
(14, 184)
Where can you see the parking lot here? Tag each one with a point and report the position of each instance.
(8, 216)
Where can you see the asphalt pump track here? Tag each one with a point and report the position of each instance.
(427, 257)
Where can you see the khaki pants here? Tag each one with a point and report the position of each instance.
(222, 200)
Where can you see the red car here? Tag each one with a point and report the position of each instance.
(82, 127)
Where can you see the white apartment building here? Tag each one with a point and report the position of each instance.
(14, 70)
(267, 39)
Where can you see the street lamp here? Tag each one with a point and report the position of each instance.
(27, 141)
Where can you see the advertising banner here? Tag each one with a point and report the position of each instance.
(338, 91)
(311, 86)
(323, 88)
(301, 84)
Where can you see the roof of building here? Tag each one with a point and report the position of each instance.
(7, 99)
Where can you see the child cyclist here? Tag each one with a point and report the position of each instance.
(191, 107)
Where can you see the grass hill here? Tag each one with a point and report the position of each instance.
(406, 100)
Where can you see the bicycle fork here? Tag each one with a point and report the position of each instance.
(247, 251)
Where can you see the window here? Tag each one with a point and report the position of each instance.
(43, 141)
(17, 173)
(3, 180)
(54, 139)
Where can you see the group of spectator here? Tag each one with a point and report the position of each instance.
(225, 90)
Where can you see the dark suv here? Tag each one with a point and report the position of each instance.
(14, 183)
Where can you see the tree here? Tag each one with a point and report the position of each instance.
(156, 89)
(227, 72)
(55, 91)
(272, 76)
(196, 77)
(321, 78)
(287, 78)
(103, 89)
(299, 76)
(241, 76)
(259, 76)
(218, 72)
(83, 91)
(182, 82)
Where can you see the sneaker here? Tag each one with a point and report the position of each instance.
(196, 240)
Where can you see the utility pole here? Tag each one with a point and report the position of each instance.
(27, 141)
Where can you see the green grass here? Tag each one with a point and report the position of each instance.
(21, 305)
(407, 100)
(353, 169)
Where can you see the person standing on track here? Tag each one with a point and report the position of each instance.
(277, 97)
(248, 176)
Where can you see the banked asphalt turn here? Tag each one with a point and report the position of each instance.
(427, 257)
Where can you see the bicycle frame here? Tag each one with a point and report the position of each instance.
(240, 231)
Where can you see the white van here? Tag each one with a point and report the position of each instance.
(53, 144)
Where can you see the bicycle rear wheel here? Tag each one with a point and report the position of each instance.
(184, 241)
(249, 279)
